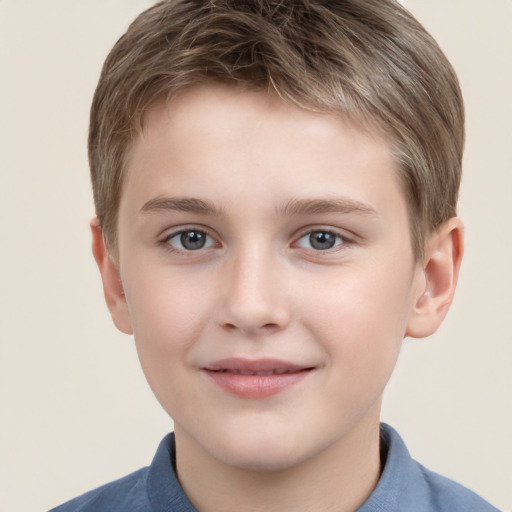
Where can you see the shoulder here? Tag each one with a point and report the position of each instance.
(149, 489)
(126, 494)
(449, 496)
(406, 485)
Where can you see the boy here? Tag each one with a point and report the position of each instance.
(275, 187)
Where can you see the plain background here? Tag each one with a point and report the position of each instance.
(75, 409)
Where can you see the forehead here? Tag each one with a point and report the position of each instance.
(212, 103)
(219, 139)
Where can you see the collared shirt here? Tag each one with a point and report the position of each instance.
(404, 486)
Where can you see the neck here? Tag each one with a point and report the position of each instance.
(340, 478)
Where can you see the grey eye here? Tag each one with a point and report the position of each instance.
(320, 240)
(190, 240)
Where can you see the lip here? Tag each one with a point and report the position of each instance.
(255, 379)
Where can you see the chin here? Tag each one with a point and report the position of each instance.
(262, 453)
(261, 462)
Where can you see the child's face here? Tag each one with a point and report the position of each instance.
(255, 236)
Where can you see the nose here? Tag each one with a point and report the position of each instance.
(253, 295)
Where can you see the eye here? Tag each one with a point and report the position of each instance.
(320, 240)
(189, 240)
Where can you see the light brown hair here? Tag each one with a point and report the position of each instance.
(369, 59)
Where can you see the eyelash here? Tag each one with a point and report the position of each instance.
(339, 240)
(166, 242)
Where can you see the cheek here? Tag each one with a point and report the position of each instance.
(168, 312)
(168, 315)
(360, 319)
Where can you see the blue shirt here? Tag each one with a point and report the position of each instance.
(404, 486)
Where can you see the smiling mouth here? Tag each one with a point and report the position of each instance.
(261, 372)
(255, 379)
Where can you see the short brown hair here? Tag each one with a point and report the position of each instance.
(365, 58)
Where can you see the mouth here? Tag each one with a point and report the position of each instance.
(255, 379)
(261, 372)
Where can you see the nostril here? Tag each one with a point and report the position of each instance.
(265, 328)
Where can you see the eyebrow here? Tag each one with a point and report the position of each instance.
(321, 206)
(178, 204)
(292, 207)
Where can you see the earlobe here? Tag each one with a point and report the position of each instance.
(112, 284)
(443, 257)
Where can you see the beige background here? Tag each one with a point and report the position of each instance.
(75, 409)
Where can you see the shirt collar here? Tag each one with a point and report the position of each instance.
(400, 487)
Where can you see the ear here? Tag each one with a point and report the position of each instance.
(440, 272)
(112, 284)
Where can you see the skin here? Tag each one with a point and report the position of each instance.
(270, 174)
